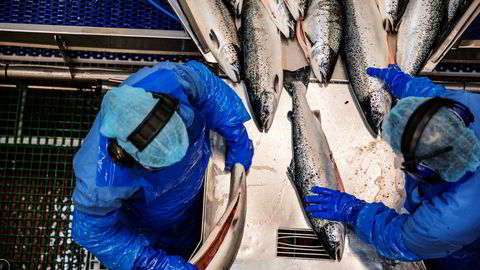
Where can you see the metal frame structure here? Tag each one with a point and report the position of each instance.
(83, 38)
(183, 12)
(450, 41)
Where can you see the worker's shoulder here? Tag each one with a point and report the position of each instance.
(465, 194)
(469, 99)
(472, 101)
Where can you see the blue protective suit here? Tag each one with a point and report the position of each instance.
(444, 221)
(132, 218)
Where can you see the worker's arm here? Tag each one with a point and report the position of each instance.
(438, 228)
(223, 110)
(374, 222)
(96, 219)
(446, 223)
(383, 228)
(117, 247)
(401, 85)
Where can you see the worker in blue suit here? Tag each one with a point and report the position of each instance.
(140, 170)
(437, 131)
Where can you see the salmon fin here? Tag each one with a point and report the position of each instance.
(289, 115)
(317, 114)
(291, 170)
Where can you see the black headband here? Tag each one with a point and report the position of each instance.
(156, 119)
(418, 121)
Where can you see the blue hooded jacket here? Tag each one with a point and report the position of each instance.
(132, 218)
(443, 221)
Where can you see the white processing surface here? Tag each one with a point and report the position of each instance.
(365, 165)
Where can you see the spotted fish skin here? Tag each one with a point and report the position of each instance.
(365, 46)
(322, 30)
(262, 62)
(454, 6)
(417, 33)
(391, 11)
(235, 6)
(297, 8)
(280, 15)
(312, 163)
(217, 26)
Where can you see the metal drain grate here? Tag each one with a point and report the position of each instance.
(40, 130)
(301, 244)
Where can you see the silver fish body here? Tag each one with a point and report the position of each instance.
(417, 33)
(391, 11)
(235, 6)
(262, 62)
(297, 8)
(217, 26)
(278, 11)
(365, 46)
(220, 248)
(312, 163)
(322, 35)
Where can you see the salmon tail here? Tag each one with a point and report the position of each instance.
(291, 78)
(392, 48)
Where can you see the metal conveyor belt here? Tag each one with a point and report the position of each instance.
(96, 13)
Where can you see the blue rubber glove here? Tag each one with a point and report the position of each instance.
(394, 78)
(402, 85)
(239, 150)
(333, 205)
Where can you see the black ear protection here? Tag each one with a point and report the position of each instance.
(413, 132)
(153, 123)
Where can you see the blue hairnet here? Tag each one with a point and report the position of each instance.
(444, 129)
(124, 108)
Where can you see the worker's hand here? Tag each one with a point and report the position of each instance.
(393, 77)
(383, 73)
(239, 152)
(333, 205)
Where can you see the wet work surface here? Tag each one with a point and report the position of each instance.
(366, 166)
